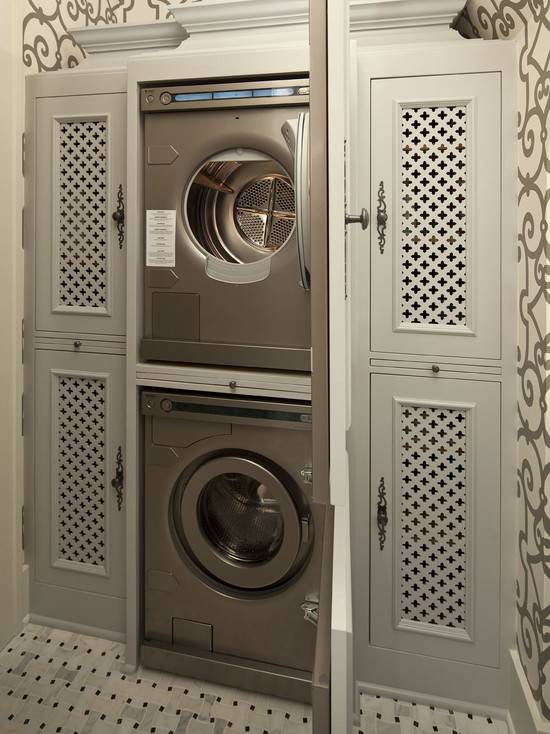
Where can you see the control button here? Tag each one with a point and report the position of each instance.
(166, 405)
(149, 405)
(165, 98)
(303, 90)
(150, 98)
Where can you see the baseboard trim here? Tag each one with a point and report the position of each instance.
(79, 629)
(525, 716)
(437, 701)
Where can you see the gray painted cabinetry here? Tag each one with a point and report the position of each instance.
(75, 352)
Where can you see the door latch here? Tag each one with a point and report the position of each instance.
(310, 609)
(363, 219)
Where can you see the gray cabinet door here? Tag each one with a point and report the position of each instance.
(435, 517)
(80, 183)
(79, 522)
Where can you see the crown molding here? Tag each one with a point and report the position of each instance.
(129, 37)
(377, 15)
(210, 16)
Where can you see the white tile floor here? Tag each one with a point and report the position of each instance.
(62, 683)
(388, 716)
(59, 682)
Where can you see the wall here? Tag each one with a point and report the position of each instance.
(47, 44)
(11, 560)
(528, 21)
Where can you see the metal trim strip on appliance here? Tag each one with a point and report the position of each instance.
(274, 358)
(270, 680)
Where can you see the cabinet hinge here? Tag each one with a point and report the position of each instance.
(23, 152)
(22, 414)
(23, 228)
(23, 527)
(22, 341)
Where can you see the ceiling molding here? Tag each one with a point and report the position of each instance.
(374, 15)
(209, 16)
(128, 37)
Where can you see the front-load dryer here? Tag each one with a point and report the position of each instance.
(234, 550)
(226, 224)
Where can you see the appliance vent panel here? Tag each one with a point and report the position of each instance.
(80, 475)
(433, 252)
(82, 214)
(433, 516)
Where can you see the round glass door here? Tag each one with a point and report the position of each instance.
(241, 518)
(240, 206)
(238, 521)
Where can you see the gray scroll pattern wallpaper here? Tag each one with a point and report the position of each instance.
(528, 22)
(47, 45)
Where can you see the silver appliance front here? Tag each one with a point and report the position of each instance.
(234, 171)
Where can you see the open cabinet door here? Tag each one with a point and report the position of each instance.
(329, 45)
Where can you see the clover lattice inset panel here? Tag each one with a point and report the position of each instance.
(80, 474)
(82, 214)
(433, 273)
(433, 515)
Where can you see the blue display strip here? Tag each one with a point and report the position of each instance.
(236, 94)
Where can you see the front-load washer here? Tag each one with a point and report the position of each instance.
(226, 225)
(234, 545)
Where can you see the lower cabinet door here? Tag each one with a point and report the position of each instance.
(435, 517)
(79, 504)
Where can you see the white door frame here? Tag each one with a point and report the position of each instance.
(11, 305)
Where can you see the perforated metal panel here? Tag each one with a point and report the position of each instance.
(433, 515)
(80, 471)
(433, 215)
(82, 213)
(265, 212)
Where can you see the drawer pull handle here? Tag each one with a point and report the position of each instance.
(118, 482)
(77, 344)
(119, 216)
(435, 368)
(382, 513)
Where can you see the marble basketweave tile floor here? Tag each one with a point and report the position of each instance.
(380, 715)
(53, 681)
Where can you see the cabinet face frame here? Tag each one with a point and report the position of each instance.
(385, 667)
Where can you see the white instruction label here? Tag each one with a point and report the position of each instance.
(161, 238)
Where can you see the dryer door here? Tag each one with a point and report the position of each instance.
(236, 518)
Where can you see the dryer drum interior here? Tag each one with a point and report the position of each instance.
(242, 521)
(240, 206)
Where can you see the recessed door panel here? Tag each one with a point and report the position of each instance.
(79, 519)
(435, 517)
(80, 184)
(435, 237)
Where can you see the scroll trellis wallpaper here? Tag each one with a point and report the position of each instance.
(47, 45)
(528, 22)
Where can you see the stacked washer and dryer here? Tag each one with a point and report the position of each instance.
(233, 539)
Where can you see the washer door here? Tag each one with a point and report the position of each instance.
(237, 520)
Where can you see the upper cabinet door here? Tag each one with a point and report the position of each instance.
(80, 184)
(435, 200)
